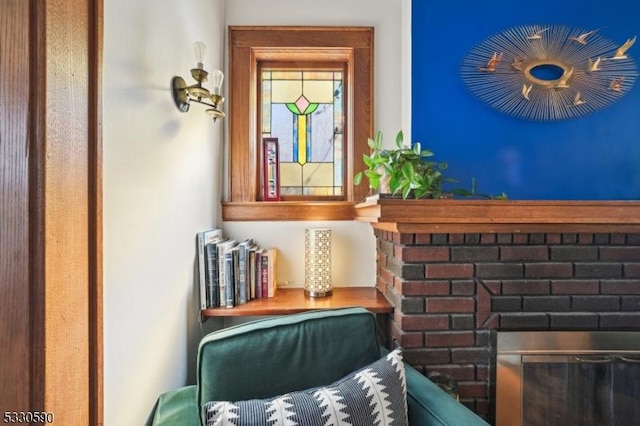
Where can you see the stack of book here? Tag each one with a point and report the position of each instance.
(233, 272)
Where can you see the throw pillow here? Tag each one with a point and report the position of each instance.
(375, 395)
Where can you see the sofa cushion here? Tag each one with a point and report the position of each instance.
(301, 351)
(363, 398)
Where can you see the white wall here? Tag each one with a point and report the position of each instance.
(353, 242)
(161, 186)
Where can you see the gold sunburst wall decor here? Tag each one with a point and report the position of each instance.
(549, 72)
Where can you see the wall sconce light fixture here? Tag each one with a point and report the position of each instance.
(317, 262)
(183, 95)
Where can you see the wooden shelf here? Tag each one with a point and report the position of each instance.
(499, 216)
(293, 300)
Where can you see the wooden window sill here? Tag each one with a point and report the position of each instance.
(293, 300)
(287, 210)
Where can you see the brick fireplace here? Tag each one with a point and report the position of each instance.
(453, 290)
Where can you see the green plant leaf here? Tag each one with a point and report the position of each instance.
(394, 183)
(399, 139)
(374, 182)
(420, 192)
(416, 148)
(373, 177)
(405, 192)
(368, 161)
(357, 179)
(378, 141)
(407, 171)
(372, 174)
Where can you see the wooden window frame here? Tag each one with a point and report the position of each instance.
(250, 46)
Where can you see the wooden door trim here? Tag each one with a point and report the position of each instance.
(65, 172)
(96, 336)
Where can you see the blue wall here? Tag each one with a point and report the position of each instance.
(595, 157)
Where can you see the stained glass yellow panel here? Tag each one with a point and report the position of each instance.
(285, 90)
(290, 174)
(320, 91)
(318, 75)
(317, 174)
(286, 75)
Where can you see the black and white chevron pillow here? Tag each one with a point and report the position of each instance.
(375, 395)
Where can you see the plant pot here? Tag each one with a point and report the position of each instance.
(384, 185)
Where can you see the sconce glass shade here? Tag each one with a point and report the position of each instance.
(216, 81)
(317, 262)
(200, 48)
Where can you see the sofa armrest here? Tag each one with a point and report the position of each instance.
(430, 405)
(177, 407)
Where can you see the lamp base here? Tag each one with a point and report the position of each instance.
(312, 293)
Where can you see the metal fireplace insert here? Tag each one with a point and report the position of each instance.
(551, 378)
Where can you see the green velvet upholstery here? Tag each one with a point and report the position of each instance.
(177, 407)
(288, 353)
(269, 357)
(430, 405)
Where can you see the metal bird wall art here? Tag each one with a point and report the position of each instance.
(492, 63)
(594, 65)
(537, 35)
(621, 52)
(552, 72)
(582, 38)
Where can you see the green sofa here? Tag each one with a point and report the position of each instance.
(273, 356)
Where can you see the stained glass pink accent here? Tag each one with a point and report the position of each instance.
(302, 103)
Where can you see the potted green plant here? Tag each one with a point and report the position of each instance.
(408, 171)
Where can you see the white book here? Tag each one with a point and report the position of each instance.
(272, 279)
(223, 247)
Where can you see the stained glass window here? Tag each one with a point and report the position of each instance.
(304, 110)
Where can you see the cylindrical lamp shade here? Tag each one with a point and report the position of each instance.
(317, 262)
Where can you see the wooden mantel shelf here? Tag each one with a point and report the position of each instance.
(499, 216)
(293, 300)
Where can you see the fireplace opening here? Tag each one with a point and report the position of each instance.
(568, 378)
